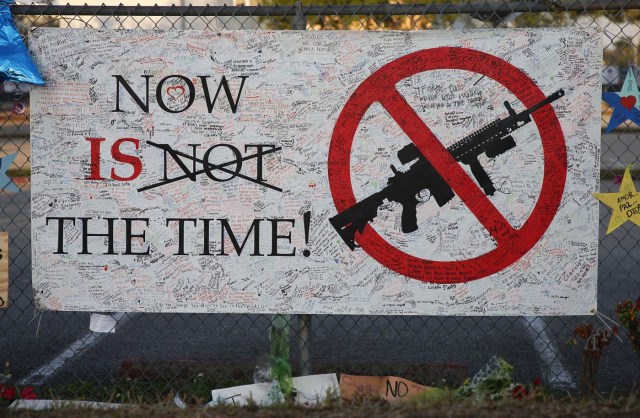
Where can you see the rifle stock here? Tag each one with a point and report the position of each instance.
(355, 218)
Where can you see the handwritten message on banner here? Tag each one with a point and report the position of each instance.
(316, 172)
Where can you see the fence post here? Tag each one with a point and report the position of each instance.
(299, 22)
(304, 344)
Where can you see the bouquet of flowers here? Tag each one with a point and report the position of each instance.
(629, 315)
(9, 393)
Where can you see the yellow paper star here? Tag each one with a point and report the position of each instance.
(625, 203)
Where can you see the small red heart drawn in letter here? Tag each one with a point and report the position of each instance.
(172, 91)
(628, 102)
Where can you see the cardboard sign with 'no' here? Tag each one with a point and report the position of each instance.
(390, 388)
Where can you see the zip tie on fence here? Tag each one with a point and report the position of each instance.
(596, 312)
(38, 327)
(36, 314)
(602, 318)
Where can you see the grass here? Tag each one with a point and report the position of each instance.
(628, 406)
(149, 382)
(150, 391)
(154, 398)
(196, 391)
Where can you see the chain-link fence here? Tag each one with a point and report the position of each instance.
(152, 354)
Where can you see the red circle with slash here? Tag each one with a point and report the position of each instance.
(512, 244)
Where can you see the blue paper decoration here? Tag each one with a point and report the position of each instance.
(624, 103)
(15, 63)
(5, 181)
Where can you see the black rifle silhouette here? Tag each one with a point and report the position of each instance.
(493, 139)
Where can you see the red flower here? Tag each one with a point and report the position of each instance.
(618, 179)
(519, 392)
(584, 330)
(9, 393)
(28, 393)
(537, 381)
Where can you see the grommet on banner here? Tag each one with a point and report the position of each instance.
(15, 63)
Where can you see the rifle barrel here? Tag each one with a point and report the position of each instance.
(552, 98)
(500, 127)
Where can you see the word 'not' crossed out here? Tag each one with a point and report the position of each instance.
(209, 168)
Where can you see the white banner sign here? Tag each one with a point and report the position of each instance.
(439, 172)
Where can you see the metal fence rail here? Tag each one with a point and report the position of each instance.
(432, 8)
(153, 354)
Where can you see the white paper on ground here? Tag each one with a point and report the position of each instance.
(179, 402)
(310, 390)
(102, 323)
(261, 393)
(44, 404)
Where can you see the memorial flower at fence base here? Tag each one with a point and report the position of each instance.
(629, 315)
(594, 342)
(9, 393)
(519, 392)
(28, 393)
